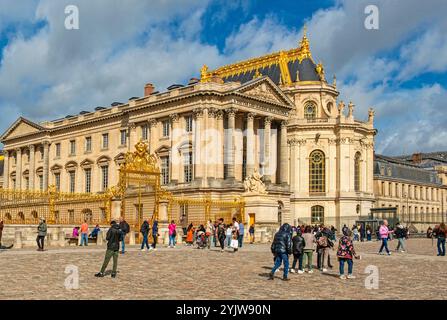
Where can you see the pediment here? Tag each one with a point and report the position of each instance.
(266, 90)
(20, 128)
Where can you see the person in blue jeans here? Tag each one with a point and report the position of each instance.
(241, 234)
(281, 249)
(125, 229)
(145, 228)
(440, 233)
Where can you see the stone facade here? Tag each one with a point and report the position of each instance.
(275, 114)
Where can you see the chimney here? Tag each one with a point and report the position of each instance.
(416, 158)
(148, 89)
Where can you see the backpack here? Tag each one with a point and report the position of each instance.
(322, 241)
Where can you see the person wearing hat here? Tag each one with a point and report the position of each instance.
(41, 233)
(113, 246)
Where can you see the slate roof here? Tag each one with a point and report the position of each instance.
(392, 168)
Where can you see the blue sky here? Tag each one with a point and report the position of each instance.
(47, 72)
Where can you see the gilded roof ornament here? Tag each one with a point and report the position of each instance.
(320, 70)
(334, 81)
(304, 51)
(204, 73)
(257, 74)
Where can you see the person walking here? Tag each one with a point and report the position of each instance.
(384, 233)
(240, 238)
(401, 235)
(297, 250)
(281, 249)
(41, 234)
(125, 229)
(345, 253)
(228, 233)
(221, 234)
(145, 228)
(441, 235)
(84, 233)
(155, 234)
(368, 233)
(113, 238)
(172, 231)
(251, 231)
(190, 235)
(309, 247)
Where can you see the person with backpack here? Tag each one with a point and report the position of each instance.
(145, 228)
(172, 233)
(281, 249)
(401, 235)
(297, 250)
(114, 235)
(41, 234)
(125, 229)
(309, 247)
(345, 253)
(324, 244)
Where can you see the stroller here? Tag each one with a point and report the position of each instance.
(201, 240)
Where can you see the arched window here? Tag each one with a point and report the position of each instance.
(357, 172)
(310, 111)
(88, 215)
(317, 215)
(317, 172)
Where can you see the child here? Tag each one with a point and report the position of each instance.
(234, 240)
(345, 253)
(297, 250)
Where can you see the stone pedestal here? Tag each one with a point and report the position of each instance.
(265, 209)
(116, 210)
(132, 238)
(62, 238)
(99, 238)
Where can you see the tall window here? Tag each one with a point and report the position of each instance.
(317, 215)
(187, 166)
(72, 147)
(41, 183)
(88, 180)
(164, 170)
(123, 137)
(310, 111)
(357, 172)
(166, 128)
(105, 177)
(188, 124)
(72, 175)
(317, 172)
(41, 153)
(14, 183)
(88, 144)
(105, 141)
(27, 183)
(144, 132)
(57, 180)
(58, 150)
(71, 216)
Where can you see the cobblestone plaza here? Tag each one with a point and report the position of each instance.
(187, 273)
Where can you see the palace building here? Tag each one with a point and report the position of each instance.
(274, 116)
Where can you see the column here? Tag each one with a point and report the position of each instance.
(212, 144)
(176, 157)
(32, 167)
(231, 112)
(204, 136)
(153, 135)
(267, 134)
(283, 157)
(19, 169)
(293, 168)
(132, 132)
(220, 145)
(6, 170)
(197, 146)
(46, 164)
(250, 152)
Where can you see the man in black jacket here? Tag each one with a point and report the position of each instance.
(113, 247)
(281, 249)
(297, 250)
